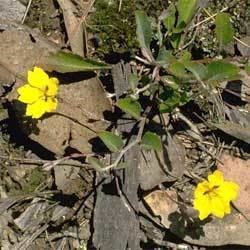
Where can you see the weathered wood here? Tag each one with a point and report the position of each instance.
(116, 225)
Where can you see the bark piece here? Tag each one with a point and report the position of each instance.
(73, 25)
(32, 217)
(166, 165)
(116, 225)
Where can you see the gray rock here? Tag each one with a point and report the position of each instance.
(12, 10)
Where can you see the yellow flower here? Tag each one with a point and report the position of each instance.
(214, 196)
(39, 93)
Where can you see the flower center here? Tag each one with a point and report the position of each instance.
(46, 95)
(46, 91)
(211, 192)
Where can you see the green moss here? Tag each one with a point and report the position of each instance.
(33, 179)
(116, 31)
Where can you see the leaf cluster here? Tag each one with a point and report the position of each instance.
(172, 72)
(171, 77)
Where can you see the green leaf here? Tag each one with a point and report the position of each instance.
(144, 33)
(178, 69)
(221, 70)
(179, 29)
(151, 141)
(175, 40)
(133, 81)
(96, 163)
(171, 81)
(171, 99)
(113, 142)
(247, 68)
(169, 105)
(185, 56)
(143, 29)
(197, 69)
(130, 106)
(169, 21)
(223, 29)
(68, 62)
(165, 57)
(186, 10)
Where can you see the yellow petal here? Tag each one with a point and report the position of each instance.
(52, 87)
(36, 109)
(38, 78)
(228, 190)
(29, 94)
(51, 104)
(227, 208)
(218, 207)
(201, 189)
(202, 204)
(215, 179)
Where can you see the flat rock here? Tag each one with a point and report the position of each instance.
(237, 170)
(80, 100)
(233, 229)
(12, 10)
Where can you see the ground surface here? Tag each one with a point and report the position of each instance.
(52, 198)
